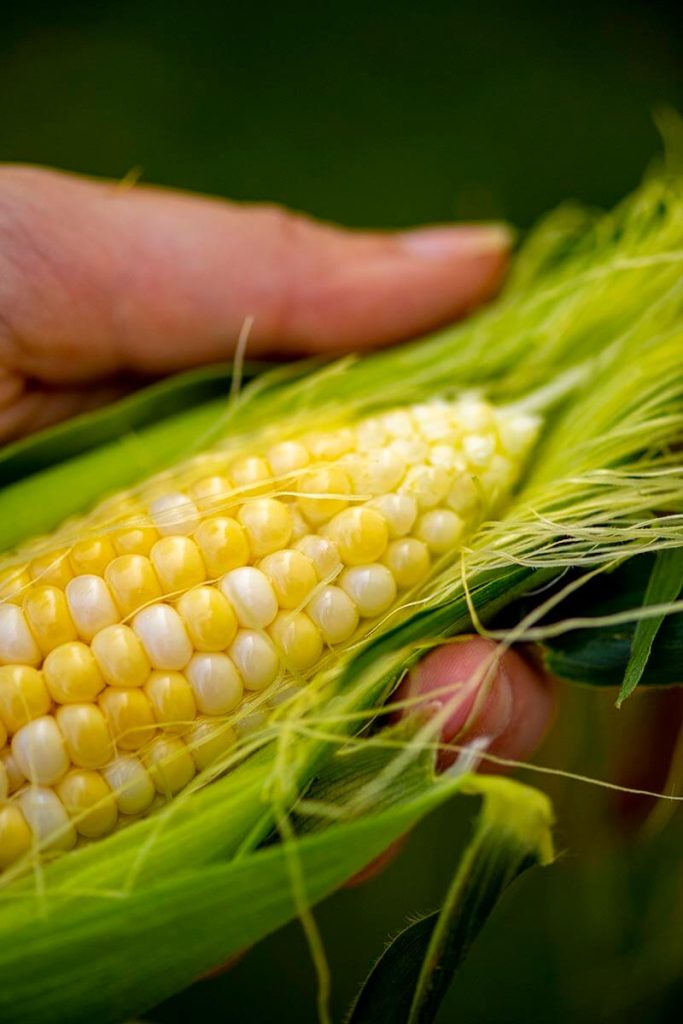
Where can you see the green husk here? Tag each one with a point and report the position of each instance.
(590, 332)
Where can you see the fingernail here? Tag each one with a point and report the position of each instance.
(444, 241)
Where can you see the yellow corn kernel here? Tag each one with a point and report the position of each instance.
(39, 750)
(209, 741)
(172, 700)
(441, 530)
(209, 618)
(360, 535)
(130, 783)
(178, 564)
(16, 837)
(23, 696)
(133, 582)
(52, 569)
(134, 540)
(268, 525)
(13, 583)
(292, 575)
(223, 544)
(170, 764)
(250, 472)
(322, 493)
(4, 782)
(17, 643)
(3, 734)
(129, 716)
(120, 656)
(212, 492)
(89, 802)
(72, 675)
(399, 511)
(15, 778)
(408, 560)
(91, 556)
(323, 553)
(86, 735)
(298, 639)
(48, 616)
(287, 457)
(372, 588)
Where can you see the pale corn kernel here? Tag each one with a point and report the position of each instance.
(250, 472)
(16, 837)
(3, 734)
(52, 569)
(23, 696)
(292, 575)
(85, 733)
(314, 489)
(464, 496)
(497, 478)
(172, 700)
(91, 556)
(134, 540)
(39, 750)
(435, 423)
(91, 605)
(72, 675)
(14, 583)
(209, 619)
(446, 456)
(212, 492)
(376, 472)
(215, 682)
(300, 527)
(223, 544)
(17, 643)
(372, 588)
(429, 485)
(173, 514)
(408, 560)
(178, 564)
(256, 659)
(15, 777)
(334, 613)
(323, 553)
(399, 511)
(133, 582)
(268, 525)
(287, 457)
(370, 433)
(164, 637)
(474, 414)
(48, 616)
(120, 656)
(441, 530)
(47, 818)
(251, 595)
(517, 432)
(360, 534)
(4, 782)
(331, 444)
(169, 764)
(398, 423)
(130, 783)
(129, 716)
(478, 449)
(89, 802)
(298, 638)
(209, 742)
(412, 450)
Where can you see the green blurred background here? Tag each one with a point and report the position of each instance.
(389, 114)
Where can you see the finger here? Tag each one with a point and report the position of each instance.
(96, 279)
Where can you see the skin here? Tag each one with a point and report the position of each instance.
(102, 285)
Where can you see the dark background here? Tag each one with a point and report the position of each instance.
(389, 114)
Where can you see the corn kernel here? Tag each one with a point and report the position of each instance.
(215, 682)
(464, 496)
(331, 444)
(164, 637)
(85, 733)
(16, 837)
(429, 485)
(48, 616)
(292, 575)
(13, 583)
(209, 618)
(372, 588)
(47, 818)
(23, 696)
(249, 472)
(446, 456)
(323, 553)
(89, 802)
(129, 716)
(174, 514)
(398, 423)
(268, 525)
(399, 512)
(134, 540)
(121, 656)
(478, 449)
(298, 638)
(130, 783)
(172, 700)
(40, 751)
(408, 560)
(376, 472)
(412, 450)
(360, 534)
(212, 492)
(334, 613)
(314, 489)
(72, 675)
(223, 544)
(441, 530)
(178, 564)
(4, 783)
(209, 742)
(91, 556)
(133, 582)
(3, 734)
(170, 764)
(14, 775)
(287, 457)
(17, 643)
(251, 596)
(91, 605)
(52, 569)
(370, 433)
(256, 659)
(517, 432)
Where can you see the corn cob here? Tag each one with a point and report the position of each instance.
(134, 644)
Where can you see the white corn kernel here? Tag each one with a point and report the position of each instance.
(399, 511)
(17, 644)
(174, 513)
(292, 575)
(40, 751)
(478, 449)
(334, 613)
(256, 659)
(429, 485)
(441, 530)
(376, 472)
(372, 588)
(163, 636)
(252, 596)
(408, 560)
(323, 553)
(47, 817)
(131, 784)
(91, 605)
(287, 457)
(215, 682)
